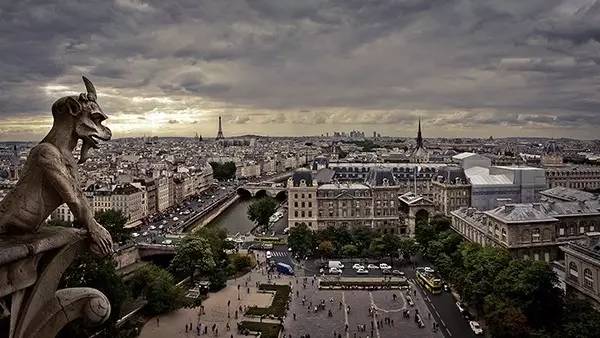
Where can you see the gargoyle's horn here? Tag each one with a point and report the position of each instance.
(91, 91)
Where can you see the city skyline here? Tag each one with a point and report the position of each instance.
(466, 68)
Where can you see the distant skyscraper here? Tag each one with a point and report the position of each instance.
(220, 133)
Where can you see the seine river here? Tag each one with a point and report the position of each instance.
(235, 218)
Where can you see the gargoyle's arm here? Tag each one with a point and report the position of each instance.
(57, 174)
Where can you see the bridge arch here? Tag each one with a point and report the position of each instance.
(244, 192)
(281, 196)
(262, 193)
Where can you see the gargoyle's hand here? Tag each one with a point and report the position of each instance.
(102, 244)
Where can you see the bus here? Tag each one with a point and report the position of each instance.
(429, 280)
(284, 269)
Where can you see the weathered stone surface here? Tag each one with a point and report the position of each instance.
(34, 258)
(50, 177)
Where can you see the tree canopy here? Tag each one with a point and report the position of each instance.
(260, 210)
(223, 171)
(158, 287)
(114, 221)
(193, 253)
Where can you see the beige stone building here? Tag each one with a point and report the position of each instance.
(451, 190)
(576, 177)
(582, 267)
(372, 203)
(529, 230)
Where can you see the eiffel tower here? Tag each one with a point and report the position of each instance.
(220, 133)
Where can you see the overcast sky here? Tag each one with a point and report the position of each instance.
(306, 67)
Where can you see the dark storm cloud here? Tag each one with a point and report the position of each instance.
(470, 62)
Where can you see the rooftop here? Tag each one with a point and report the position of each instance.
(521, 213)
(568, 194)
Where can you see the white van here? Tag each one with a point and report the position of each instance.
(335, 264)
(269, 255)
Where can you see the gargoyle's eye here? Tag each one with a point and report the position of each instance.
(98, 117)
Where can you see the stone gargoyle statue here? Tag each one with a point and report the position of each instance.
(50, 176)
(34, 257)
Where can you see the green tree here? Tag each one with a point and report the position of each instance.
(193, 253)
(579, 319)
(531, 286)
(261, 210)
(407, 247)
(216, 237)
(301, 240)
(98, 273)
(326, 249)
(158, 287)
(481, 265)
(507, 321)
(350, 250)
(223, 171)
(114, 221)
(241, 262)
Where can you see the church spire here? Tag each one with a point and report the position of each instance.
(419, 136)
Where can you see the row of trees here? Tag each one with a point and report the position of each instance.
(223, 171)
(349, 243)
(515, 297)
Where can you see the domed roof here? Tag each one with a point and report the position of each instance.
(302, 175)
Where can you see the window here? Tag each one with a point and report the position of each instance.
(296, 213)
(302, 195)
(536, 256)
(503, 234)
(561, 231)
(573, 273)
(309, 195)
(310, 213)
(296, 204)
(310, 204)
(581, 230)
(547, 257)
(588, 279)
(535, 235)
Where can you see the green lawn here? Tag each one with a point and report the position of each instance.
(279, 304)
(267, 330)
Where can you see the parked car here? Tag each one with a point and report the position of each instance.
(269, 255)
(476, 327)
(357, 266)
(460, 307)
(135, 234)
(397, 273)
(410, 301)
(428, 269)
(446, 288)
(152, 227)
(384, 266)
(372, 266)
(335, 271)
(362, 271)
(386, 271)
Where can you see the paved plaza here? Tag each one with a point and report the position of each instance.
(351, 308)
(348, 307)
(216, 311)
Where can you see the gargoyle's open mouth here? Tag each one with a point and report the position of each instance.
(95, 140)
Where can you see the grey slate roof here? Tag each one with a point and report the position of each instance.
(302, 174)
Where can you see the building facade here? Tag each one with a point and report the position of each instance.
(582, 267)
(529, 230)
(372, 203)
(576, 177)
(451, 190)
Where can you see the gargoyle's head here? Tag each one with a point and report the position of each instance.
(84, 116)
